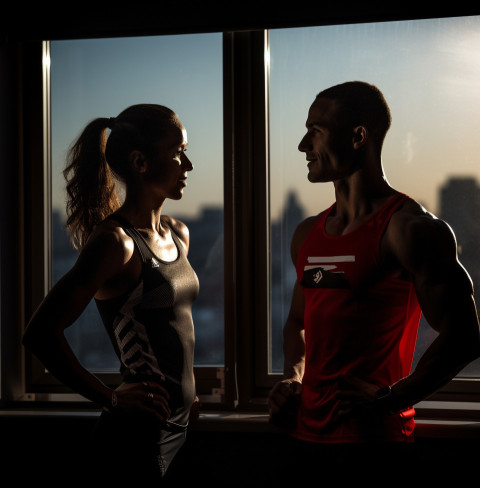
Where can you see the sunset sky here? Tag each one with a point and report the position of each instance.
(428, 70)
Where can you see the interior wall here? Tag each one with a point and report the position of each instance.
(54, 449)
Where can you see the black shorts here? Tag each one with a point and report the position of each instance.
(134, 447)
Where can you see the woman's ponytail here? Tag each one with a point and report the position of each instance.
(91, 193)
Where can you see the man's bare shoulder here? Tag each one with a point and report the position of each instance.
(415, 236)
(300, 234)
(304, 227)
(414, 220)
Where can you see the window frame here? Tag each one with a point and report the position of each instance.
(244, 381)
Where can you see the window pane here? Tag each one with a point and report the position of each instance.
(429, 71)
(99, 78)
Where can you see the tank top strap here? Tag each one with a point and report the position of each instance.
(322, 217)
(143, 248)
(139, 241)
(391, 206)
(383, 215)
(177, 241)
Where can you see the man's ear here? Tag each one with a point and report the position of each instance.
(360, 136)
(138, 161)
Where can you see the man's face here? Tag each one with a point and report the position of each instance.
(328, 142)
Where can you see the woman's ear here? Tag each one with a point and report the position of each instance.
(138, 161)
(360, 136)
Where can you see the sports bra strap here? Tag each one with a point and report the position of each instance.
(143, 248)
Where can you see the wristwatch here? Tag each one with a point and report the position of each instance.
(383, 393)
(383, 400)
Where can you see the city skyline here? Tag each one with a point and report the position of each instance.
(207, 256)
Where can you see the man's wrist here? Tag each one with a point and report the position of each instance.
(385, 400)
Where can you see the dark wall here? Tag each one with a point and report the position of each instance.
(52, 450)
(48, 449)
(40, 21)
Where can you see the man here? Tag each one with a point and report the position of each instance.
(367, 268)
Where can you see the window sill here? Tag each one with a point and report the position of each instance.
(442, 420)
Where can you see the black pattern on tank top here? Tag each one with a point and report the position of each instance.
(152, 326)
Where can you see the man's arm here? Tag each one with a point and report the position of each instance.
(294, 338)
(426, 248)
(287, 392)
(284, 396)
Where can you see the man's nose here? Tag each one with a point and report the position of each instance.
(304, 145)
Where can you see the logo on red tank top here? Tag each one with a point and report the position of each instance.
(323, 272)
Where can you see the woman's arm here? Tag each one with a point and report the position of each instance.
(105, 256)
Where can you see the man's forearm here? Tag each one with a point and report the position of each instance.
(294, 353)
(440, 363)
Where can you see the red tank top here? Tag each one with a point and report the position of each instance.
(357, 320)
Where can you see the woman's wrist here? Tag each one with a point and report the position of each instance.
(114, 399)
(113, 402)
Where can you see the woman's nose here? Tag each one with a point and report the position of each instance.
(187, 164)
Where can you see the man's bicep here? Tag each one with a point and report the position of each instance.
(297, 306)
(294, 337)
(442, 284)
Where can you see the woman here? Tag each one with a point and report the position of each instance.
(133, 262)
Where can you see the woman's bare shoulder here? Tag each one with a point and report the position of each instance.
(180, 229)
(109, 239)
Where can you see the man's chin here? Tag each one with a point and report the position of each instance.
(313, 178)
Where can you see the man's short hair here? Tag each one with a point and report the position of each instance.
(362, 104)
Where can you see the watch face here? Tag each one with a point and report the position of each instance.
(383, 392)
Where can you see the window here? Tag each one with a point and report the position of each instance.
(99, 78)
(243, 97)
(92, 78)
(429, 72)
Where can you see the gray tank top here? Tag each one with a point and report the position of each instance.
(151, 326)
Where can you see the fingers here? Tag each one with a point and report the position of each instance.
(355, 397)
(281, 394)
(195, 410)
(284, 400)
(156, 398)
(344, 409)
(278, 396)
(157, 388)
(342, 394)
(145, 396)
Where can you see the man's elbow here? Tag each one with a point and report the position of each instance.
(471, 345)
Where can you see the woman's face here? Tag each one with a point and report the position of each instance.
(167, 171)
